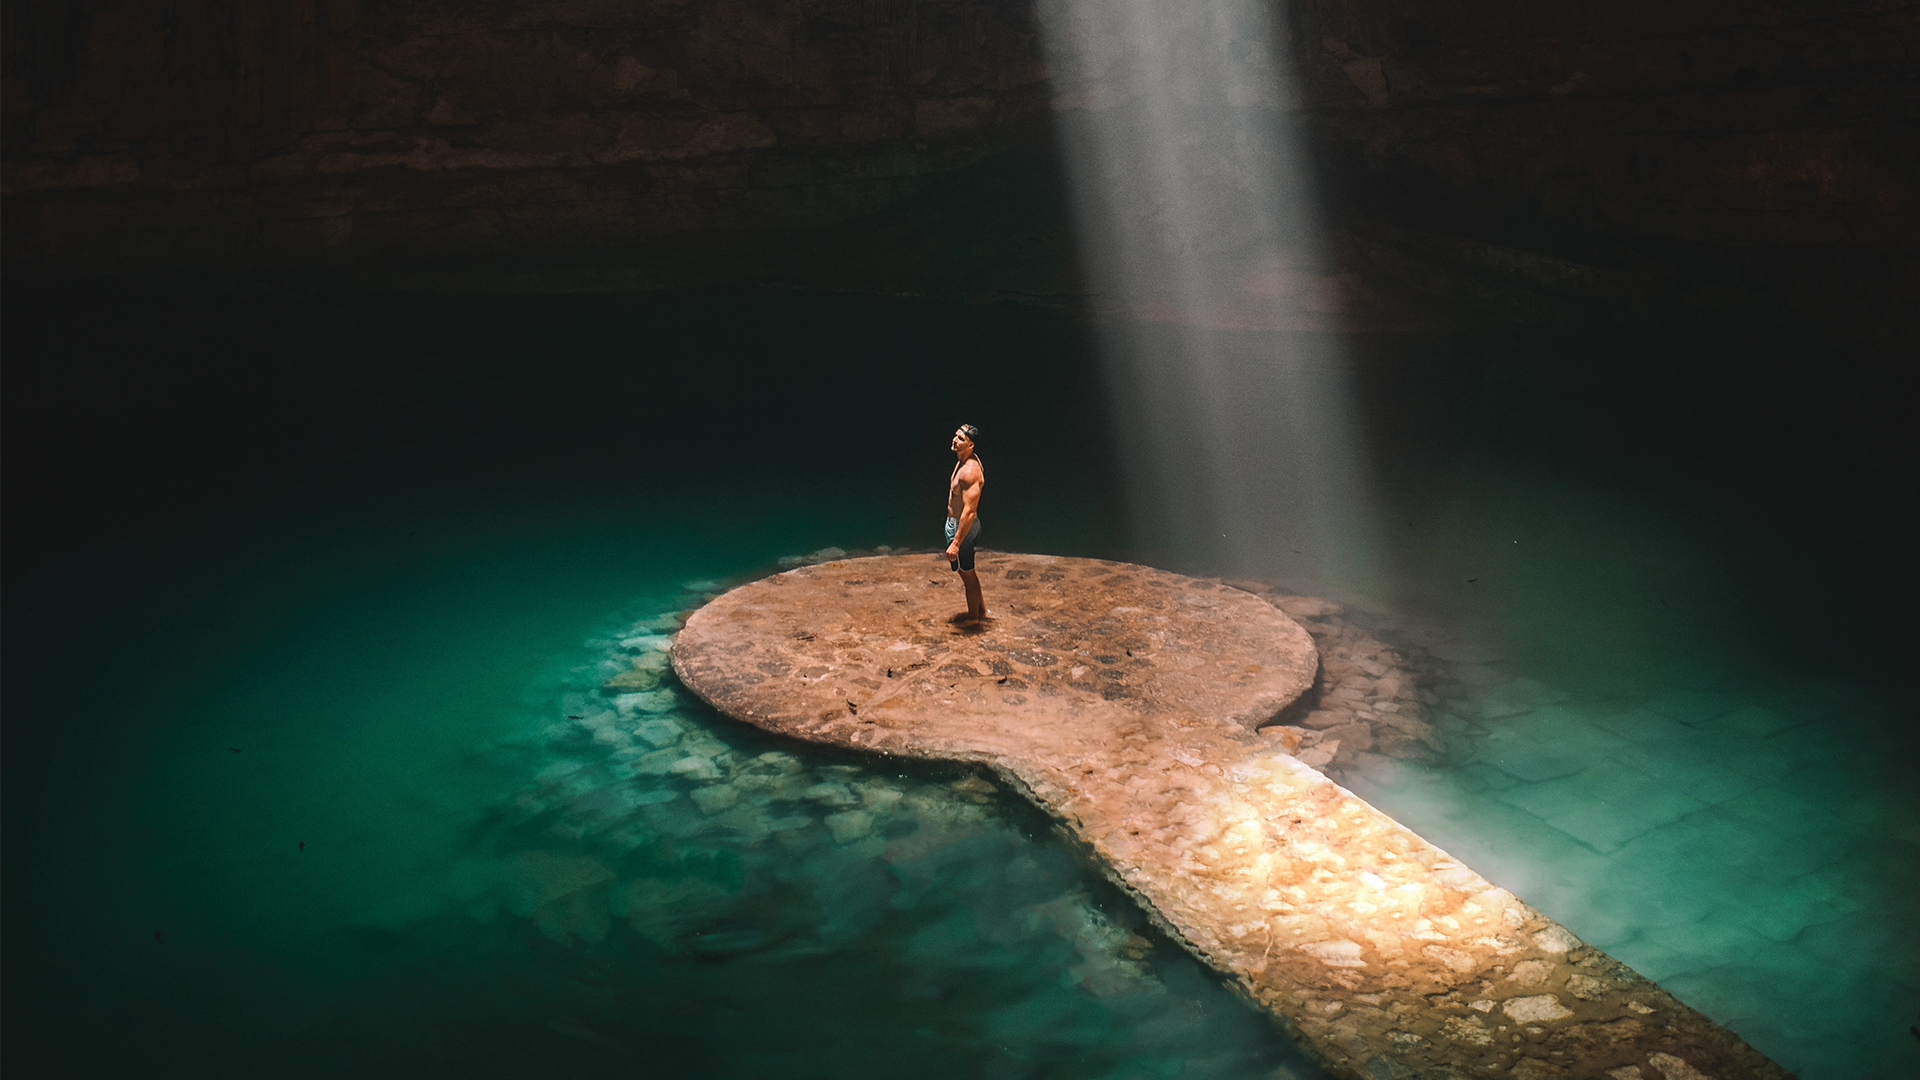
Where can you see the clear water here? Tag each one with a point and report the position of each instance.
(487, 886)
(1743, 831)
(368, 636)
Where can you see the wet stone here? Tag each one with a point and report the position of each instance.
(1386, 957)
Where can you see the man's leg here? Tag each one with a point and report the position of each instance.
(976, 605)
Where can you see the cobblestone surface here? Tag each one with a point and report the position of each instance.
(1139, 707)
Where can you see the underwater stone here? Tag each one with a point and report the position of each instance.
(825, 554)
(1319, 907)
(944, 812)
(652, 701)
(635, 678)
(695, 768)
(675, 819)
(714, 798)
(849, 825)
(831, 794)
(790, 788)
(658, 732)
(748, 821)
(658, 763)
(540, 877)
(701, 744)
(878, 795)
(557, 772)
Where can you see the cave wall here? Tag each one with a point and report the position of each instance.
(1714, 120)
(1489, 152)
(169, 132)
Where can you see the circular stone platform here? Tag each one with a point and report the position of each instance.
(1123, 700)
(863, 653)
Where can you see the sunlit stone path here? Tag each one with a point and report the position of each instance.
(1125, 700)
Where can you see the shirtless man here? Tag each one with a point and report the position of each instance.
(963, 518)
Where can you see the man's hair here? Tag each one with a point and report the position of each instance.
(972, 433)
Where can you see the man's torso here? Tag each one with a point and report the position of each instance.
(965, 475)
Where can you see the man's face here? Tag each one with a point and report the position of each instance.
(961, 442)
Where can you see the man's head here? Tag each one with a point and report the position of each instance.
(963, 437)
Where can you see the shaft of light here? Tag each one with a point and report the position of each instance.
(1198, 232)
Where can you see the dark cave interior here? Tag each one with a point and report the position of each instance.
(399, 260)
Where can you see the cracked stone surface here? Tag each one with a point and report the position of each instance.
(1126, 702)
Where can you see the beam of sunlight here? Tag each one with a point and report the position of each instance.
(1217, 306)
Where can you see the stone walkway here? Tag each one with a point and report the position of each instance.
(1125, 701)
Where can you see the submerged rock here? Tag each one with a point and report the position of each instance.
(646, 643)
(715, 797)
(849, 825)
(651, 701)
(831, 793)
(658, 763)
(877, 795)
(540, 877)
(645, 675)
(695, 768)
(659, 732)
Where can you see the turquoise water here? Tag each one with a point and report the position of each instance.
(489, 886)
(295, 783)
(1738, 827)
